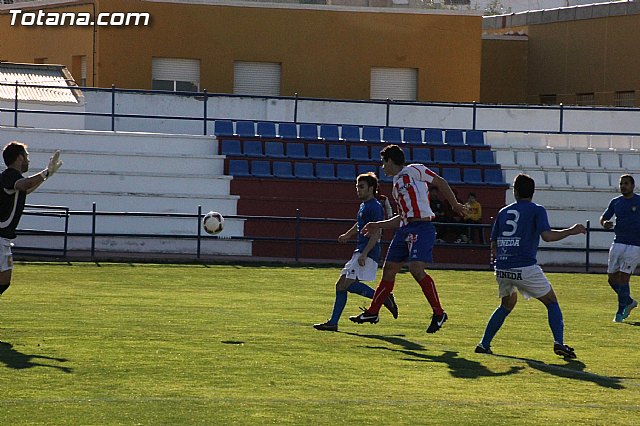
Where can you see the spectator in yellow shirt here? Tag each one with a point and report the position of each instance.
(474, 216)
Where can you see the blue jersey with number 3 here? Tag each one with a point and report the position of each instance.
(516, 231)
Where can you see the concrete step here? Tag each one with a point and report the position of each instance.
(208, 165)
(111, 142)
(113, 202)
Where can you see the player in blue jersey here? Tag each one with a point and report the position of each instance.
(13, 194)
(514, 244)
(364, 262)
(624, 254)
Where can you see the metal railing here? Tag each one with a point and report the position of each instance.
(206, 118)
(198, 237)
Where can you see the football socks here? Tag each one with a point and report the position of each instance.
(362, 289)
(338, 306)
(380, 295)
(494, 324)
(556, 323)
(429, 290)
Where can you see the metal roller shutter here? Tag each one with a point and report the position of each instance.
(399, 84)
(173, 69)
(256, 78)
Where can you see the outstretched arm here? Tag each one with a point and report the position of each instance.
(32, 182)
(445, 190)
(560, 234)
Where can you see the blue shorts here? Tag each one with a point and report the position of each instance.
(413, 242)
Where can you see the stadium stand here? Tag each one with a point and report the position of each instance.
(308, 132)
(371, 134)
(433, 136)
(288, 131)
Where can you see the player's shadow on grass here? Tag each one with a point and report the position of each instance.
(573, 369)
(17, 360)
(459, 367)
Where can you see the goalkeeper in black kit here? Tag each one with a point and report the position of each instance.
(14, 188)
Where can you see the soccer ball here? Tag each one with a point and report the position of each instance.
(213, 223)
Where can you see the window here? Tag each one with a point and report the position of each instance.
(585, 99)
(178, 75)
(256, 78)
(548, 100)
(625, 99)
(399, 84)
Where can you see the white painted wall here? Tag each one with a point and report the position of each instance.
(446, 116)
(49, 121)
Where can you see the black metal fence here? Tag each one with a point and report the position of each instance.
(298, 222)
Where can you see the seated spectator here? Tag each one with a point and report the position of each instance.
(474, 215)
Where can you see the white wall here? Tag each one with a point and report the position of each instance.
(446, 116)
(47, 121)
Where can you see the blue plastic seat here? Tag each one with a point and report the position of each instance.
(359, 152)
(442, 156)
(303, 170)
(325, 171)
(239, 167)
(282, 169)
(346, 172)
(433, 136)
(329, 132)
(463, 156)
(266, 130)
(475, 138)
(223, 128)
(454, 137)
(484, 157)
(316, 151)
(375, 153)
(383, 177)
(472, 176)
(295, 150)
(230, 147)
(422, 155)
(371, 134)
(451, 175)
(308, 132)
(260, 168)
(350, 133)
(274, 149)
(392, 135)
(288, 131)
(245, 129)
(338, 152)
(494, 177)
(412, 135)
(366, 168)
(253, 149)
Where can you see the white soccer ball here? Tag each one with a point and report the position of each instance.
(213, 223)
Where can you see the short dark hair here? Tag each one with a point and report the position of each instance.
(370, 178)
(12, 150)
(524, 185)
(628, 176)
(393, 152)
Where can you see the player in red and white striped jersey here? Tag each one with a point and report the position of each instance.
(415, 235)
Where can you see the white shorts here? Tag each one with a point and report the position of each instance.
(354, 271)
(530, 281)
(623, 258)
(6, 260)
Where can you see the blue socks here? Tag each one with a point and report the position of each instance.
(624, 297)
(494, 324)
(555, 322)
(362, 289)
(338, 306)
(341, 299)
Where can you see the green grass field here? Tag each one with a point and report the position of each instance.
(88, 344)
